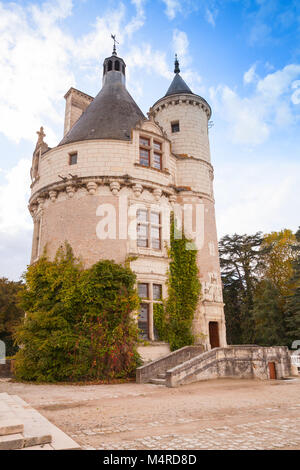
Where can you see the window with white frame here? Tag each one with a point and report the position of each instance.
(149, 229)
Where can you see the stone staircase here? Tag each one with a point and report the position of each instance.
(190, 364)
(161, 379)
(24, 428)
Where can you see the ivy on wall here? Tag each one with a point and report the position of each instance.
(79, 323)
(173, 321)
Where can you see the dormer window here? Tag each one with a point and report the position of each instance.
(157, 155)
(151, 153)
(73, 158)
(175, 126)
(145, 151)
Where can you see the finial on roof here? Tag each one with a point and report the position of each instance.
(41, 136)
(176, 69)
(113, 36)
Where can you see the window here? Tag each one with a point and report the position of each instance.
(150, 295)
(155, 230)
(117, 65)
(150, 153)
(142, 228)
(143, 321)
(143, 290)
(73, 158)
(157, 291)
(36, 239)
(157, 155)
(144, 151)
(148, 229)
(175, 126)
(109, 67)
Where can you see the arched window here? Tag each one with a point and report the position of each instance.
(109, 65)
(117, 65)
(123, 69)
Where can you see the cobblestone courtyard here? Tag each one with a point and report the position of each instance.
(220, 414)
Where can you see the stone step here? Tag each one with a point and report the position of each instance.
(9, 424)
(162, 375)
(12, 442)
(157, 381)
(34, 432)
(31, 417)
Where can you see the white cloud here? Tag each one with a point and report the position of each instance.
(14, 195)
(261, 197)
(172, 8)
(250, 120)
(180, 43)
(250, 76)
(296, 95)
(210, 16)
(37, 56)
(34, 59)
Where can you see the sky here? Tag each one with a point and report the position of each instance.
(242, 56)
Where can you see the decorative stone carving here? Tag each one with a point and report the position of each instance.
(40, 201)
(52, 195)
(115, 187)
(137, 189)
(157, 193)
(70, 190)
(212, 290)
(172, 199)
(33, 209)
(92, 187)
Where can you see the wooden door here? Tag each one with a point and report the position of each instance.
(272, 370)
(214, 334)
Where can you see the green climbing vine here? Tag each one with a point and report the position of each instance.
(173, 320)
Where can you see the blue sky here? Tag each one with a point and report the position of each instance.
(243, 57)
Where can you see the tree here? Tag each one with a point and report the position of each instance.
(279, 256)
(10, 312)
(268, 314)
(78, 323)
(108, 329)
(292, 307)
(240, 258)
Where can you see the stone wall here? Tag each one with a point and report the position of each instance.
(248, 362)
(6, 370)
(193, 113)
(144, 373)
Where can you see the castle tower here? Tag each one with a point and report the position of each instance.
(108, 188)
(184, 117)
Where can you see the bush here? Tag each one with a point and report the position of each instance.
(78, 323)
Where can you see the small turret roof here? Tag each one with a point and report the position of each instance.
(178, 85)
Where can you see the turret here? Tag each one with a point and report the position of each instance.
(184, 116)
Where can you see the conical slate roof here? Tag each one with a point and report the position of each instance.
(178, 85)
(111, 115)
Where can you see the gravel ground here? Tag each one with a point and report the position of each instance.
(216, 414)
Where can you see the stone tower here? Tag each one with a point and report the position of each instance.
(110, 184)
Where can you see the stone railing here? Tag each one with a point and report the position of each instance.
(247, 362)
(148, 371)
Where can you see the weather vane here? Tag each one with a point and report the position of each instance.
(113, 36)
